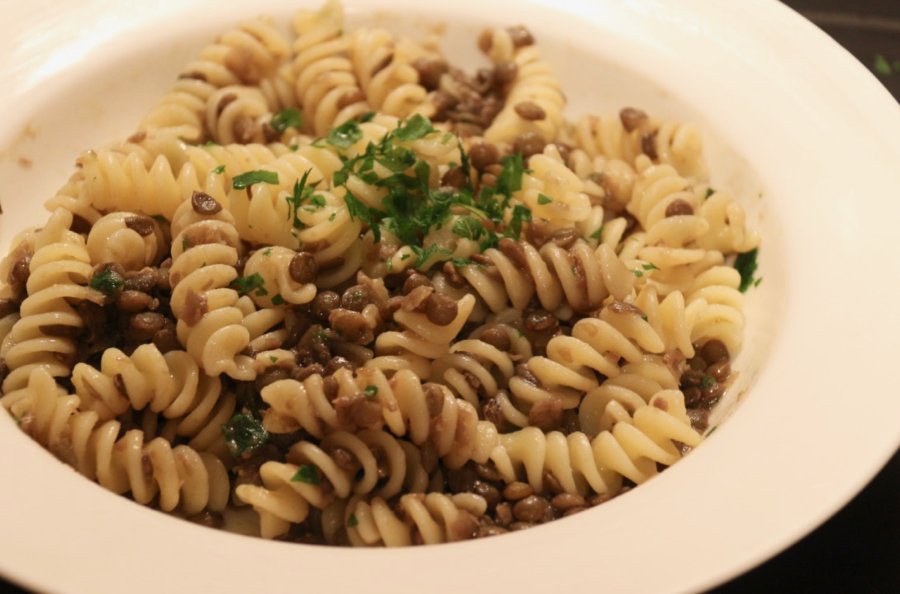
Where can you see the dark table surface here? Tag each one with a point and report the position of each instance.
(858, 550)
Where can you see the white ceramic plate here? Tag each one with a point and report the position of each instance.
(789, 115)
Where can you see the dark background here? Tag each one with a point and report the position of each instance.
(858, 550)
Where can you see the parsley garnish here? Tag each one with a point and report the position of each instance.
(286, 118)
(345, 135)
(249, 178)
(107, 282)
(520, 214)
(411, 208)
(253, 283)
(219, 169)
(352, 521)
(709, 192)
(308, 474)
(273, 358)
(277, 299)
(414, 128)
(267, 252)
(596, 234)
(746, 265)
(366, 117)
(544, 199)
(302, 193)
(707, 382)
(371, 392)
(650, 266)
(882, 67)
(243, 434)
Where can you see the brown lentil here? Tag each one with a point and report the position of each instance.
(497, 337)
(324, 303)
(303, 268)
(533, 508)
(648, 145)
(204, 204)
(546, 415)
(350, 325)
(355, 298)
(454, 178)
(430, 71)
(540, 320)
(714, 351)
(357, 411)
(415, 280)
(140, 224)
(632, 118)
(520, 36)
(144, 326)
(530, 111)
(517, 490)
(483, 154)
(566, 501)
(506, 72)
(679, 207)
(440, 309)
(133, 301)
(720, 371)
(528, 144)
(565, 237)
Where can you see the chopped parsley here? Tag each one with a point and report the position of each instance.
(411, 208)
(352, 521)
(286, 118)
(273, 358)
(371, 392)
(544, 199)
(267, 252)
(345, 135)
(414, 128)
(883, 67)
(250, 284)
(709, 192)
(707, 382)
(307, 473)
(107, 282)
(244, 434)
(366, 117)
(277, 299)
(649, 266)
(746, 265)
(219, 169)
(303, 192)
(596, 234)
(249, 178)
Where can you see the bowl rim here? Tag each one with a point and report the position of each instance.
(810, 65)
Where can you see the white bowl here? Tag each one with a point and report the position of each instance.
(802, 133)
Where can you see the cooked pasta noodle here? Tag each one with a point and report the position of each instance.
(378, 300)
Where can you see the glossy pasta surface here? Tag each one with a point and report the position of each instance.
(338, 285)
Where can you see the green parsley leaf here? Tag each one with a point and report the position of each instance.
(107, 282)
(366, 117)
(307, 473)
(273, 358)
(881, 66)
(637, 273)
(332, 216)
(709, 192)
(250, 284)
(277, 299)
(244, 434)
(249, 178)
(520, 214)
(371, 392)
(416, 127)
(424, 255)
(711, 430)
(318, 201)
(510, 178)
(544, 199)
(469, 227)
(294, 148)
(345, 135)
(301, 193)
(211, 143)
(286, 118)
(596, 234)
(352, 521)
(358, 210)
(707, 382)
(219, 169)
(267, 252)
(650, 266)
(746, 265)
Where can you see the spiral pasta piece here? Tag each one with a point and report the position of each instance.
(535, 84)
(127, 239)
(417, 519)
(244, 55)
(288, 490)
(384, 69)
(42, 338)
(177, 477)
(581, 276)
(170, 384)
(420, 335)
(326, 86)
(552, 191)
(204, 254)
(631, 449)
